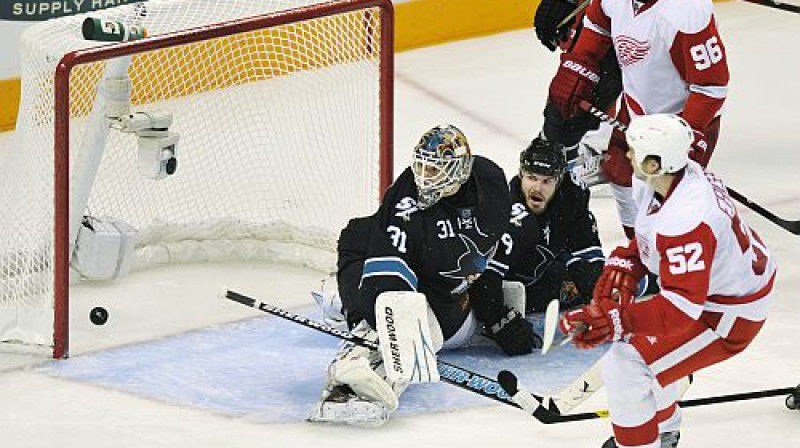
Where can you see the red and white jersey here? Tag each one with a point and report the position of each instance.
(706, 257)
(670, 53)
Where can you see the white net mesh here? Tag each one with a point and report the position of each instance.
(279, 141)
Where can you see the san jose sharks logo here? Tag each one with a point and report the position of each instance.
(469, 265)
(518, 213)
(545, 257)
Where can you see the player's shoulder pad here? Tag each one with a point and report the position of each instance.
(521, 217)
(486, 169)
(687, 17)
(690, 204)
(515, 188)
(494, 200)
(401, 198)
(492, 185)
(402, 186)
(573, 195)
(575, 188)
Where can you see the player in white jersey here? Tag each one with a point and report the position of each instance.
(672, 60)
(716, 278)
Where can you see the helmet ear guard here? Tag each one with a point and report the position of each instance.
(442, 162)
(666, 137)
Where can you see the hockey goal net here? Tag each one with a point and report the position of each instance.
(255, 129)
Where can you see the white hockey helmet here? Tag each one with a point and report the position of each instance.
(665, 136)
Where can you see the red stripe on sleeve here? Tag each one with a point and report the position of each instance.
(701, 60)
(596, 14)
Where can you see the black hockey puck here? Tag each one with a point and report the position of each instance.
(98, 315)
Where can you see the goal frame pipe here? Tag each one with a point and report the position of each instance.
(69, 61)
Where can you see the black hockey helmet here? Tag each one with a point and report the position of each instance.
(543, 157)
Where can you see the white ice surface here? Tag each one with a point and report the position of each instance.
(493, 88)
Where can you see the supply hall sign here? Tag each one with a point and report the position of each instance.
(38, 10)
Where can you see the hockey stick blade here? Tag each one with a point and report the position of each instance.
(449, 373)
(550, 324)
(776, 4)
(792, 227)
(532, 404)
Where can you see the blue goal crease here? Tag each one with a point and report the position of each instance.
(271, 370)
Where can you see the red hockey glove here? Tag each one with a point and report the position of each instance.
(573, 83)
(699, 152)
(621, 275)
(594, 324)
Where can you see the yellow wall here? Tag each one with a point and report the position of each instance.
(428, 22)
(419, 23)
(9, 103)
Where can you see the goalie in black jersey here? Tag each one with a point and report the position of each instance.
(409, 273)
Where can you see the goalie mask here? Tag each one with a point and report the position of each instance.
(442, 162)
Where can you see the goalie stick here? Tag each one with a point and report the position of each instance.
(484, 386)
(776, 4)
(532, 404)
(449, 373)
(792, 227)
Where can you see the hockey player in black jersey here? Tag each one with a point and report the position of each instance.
(556, 248)
(437, 229)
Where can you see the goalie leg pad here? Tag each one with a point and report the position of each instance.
(361, 369)
(404, 336)
(341, 405)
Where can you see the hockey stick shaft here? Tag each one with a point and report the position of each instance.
(574, 13)
(776, 4)
(449, 373)
(529, 403)
(792, 227)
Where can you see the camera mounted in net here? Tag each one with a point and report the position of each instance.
(156, 143)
